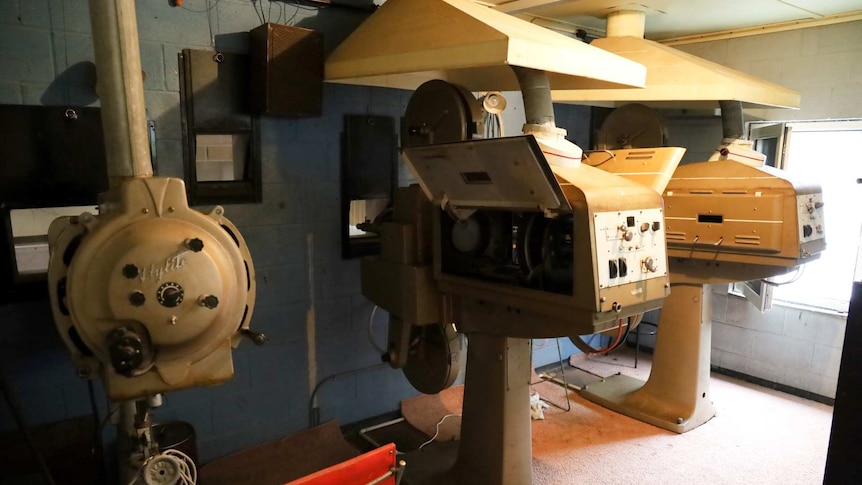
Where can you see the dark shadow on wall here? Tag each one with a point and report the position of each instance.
(76, 86)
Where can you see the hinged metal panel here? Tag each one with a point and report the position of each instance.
(500, 173)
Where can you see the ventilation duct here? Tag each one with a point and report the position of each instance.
(407, 42)
(675, 79)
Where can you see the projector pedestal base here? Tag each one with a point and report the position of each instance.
(676, 395)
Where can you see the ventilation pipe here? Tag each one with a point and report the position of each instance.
(734, 146)
(539, 114)
(121, 89)
(732, 124)
(536, 90)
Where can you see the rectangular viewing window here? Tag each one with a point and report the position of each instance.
(221, 157)
(476, 177)
(710, 218)
(30, 235)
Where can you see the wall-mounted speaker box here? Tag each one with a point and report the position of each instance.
(286, 71)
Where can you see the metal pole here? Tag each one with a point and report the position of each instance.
(121, 88)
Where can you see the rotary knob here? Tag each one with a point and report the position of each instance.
(209, 301)
(628, 235)
(170, 294)
(650, 264)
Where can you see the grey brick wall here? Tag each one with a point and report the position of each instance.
(45, 48)
(293, 234)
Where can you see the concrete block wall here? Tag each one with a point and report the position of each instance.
(789, 344)
(309, 300)
(821, 63)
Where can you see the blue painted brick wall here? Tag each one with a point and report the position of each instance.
(45, 46)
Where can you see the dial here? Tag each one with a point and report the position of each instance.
(170, 294)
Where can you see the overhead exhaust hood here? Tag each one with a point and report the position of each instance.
(407, 42)
(675, 79)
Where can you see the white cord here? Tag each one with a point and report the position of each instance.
(187, 473)
(371, 331)
(437, 433)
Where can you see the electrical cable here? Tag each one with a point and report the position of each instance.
(98, 445)
(185, 469)
(210, 7)
(612, 157)
(371, 331)
(800, 270)
(614, 344)
(437, 433)
(589, 350)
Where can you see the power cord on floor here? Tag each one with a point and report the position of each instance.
(437, 433)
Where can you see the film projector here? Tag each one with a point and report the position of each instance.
(148, 295)
(729, 219)
(504, 240)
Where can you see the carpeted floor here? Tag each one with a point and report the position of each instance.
(760, 436)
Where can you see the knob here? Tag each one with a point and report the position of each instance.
(645, 227)
(650, 265)
(170, 295)
(656, 225)
(628, 235)
(818, 205)
(125, 348)
(256, 337)
(195, 244)
(209, 301)
(810, 208)
(806, 230)
(137, 298)
(130, 271)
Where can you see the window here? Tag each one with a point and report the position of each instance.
(823, 151)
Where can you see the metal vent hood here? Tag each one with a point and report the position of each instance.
(407, 42)
(675, 79)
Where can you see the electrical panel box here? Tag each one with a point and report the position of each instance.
(286, 71)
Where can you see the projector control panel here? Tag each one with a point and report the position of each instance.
(630, 246)
(810, 217)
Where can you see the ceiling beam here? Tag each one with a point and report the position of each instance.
(853, 16)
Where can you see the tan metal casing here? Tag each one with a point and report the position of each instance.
(760, 233)
(502, 310)
(652, 167)
(401, 279)
(146, 222)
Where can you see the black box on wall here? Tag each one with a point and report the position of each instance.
(286, 71)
